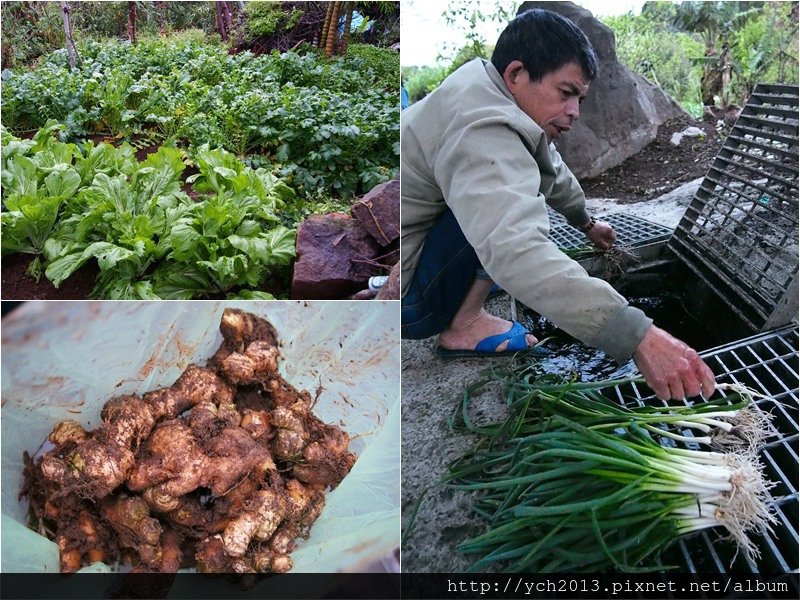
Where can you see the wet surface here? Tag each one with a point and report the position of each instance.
(572, 358)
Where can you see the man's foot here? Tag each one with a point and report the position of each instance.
(468, 335)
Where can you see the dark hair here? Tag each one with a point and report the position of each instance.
(544, 41)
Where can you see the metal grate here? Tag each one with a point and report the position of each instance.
(631, 231)
(556, 218)
(767, 363)
(740, 232)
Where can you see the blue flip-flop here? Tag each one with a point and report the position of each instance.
(487, 347)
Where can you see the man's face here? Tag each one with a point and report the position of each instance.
(553, 101)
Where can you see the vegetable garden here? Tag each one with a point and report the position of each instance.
(173, 169)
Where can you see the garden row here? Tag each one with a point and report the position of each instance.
(240, 147)
(68, 204)
(323, 124)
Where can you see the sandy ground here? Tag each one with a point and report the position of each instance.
(432, 388)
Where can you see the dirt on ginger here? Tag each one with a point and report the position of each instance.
(222, 471)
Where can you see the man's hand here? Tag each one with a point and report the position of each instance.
(672, 369)
(602, 235)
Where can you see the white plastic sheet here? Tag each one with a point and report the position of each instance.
(63, 360)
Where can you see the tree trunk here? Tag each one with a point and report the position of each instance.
(348, 19)
(323, 36)
(161, 12)
(132, 22)
(226, 17)
(241, 22)
(330, 42)
(223, 30)
(72, 53)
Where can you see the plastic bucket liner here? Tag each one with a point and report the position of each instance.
(64, 360)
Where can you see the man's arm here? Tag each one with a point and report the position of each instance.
(497, 204)
(566, 196)
(489, 173)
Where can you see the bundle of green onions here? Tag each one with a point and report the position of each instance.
(573, 482)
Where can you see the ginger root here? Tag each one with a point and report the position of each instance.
(136, 529)
(259, 521)
(227, 467)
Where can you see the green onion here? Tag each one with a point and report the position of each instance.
(574, 482)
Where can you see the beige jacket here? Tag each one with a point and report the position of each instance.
(468, 146)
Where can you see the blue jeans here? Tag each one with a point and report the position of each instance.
(446, 271)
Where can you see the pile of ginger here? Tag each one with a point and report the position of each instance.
(223, 471)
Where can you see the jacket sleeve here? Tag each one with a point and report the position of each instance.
(490, 178)
(567, 196)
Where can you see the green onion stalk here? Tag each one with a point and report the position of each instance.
(574, 482)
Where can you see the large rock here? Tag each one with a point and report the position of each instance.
(391, 289)
(622, 112)
(379, 212)
(333, 257)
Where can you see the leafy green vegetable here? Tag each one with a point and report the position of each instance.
(34, 190)
(330, 124)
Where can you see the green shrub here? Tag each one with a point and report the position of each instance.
(384, 63)
(421, 81)
(665, 57)
(268, 18)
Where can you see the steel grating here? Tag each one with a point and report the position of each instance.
(740, 232)
(767, 363)
(556, 218)
(631, 231)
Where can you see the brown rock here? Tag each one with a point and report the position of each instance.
(391, 289)
(379, 212)
(333, 258)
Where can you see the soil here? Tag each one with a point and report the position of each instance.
(19, 286)
(662, 166)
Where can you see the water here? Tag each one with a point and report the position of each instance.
(571, 358)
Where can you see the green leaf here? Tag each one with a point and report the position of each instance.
(153, 186)
(16, 148)
(14, 237)
(108, 256)
(29, 218)
(58, 270)
(128, 290)
(275, 247)
(282, 153)
(54, 247)
(62, 184)
(20, 177)
(282, 244)
(166, 157)
(250, 295)
(184, 239)
(57, 157)
(104, 158)
(231, 271)
(44, 138)
(181, 282)
(114, 190)
(225, 172)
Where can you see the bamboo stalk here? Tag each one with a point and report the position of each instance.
(132, 22)
(323, 38)
(330, 42)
